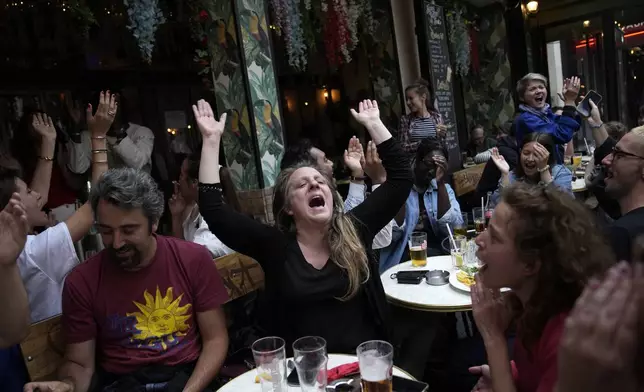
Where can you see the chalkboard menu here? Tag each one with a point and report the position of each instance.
(441, 74)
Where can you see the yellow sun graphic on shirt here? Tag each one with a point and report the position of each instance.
(161, 319)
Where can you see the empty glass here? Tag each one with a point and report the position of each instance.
(270, 359)
(310, 361)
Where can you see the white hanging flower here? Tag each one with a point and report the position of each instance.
(145, 17)
(367, 16)
(307, 5)
(354, 9)
(294, 37)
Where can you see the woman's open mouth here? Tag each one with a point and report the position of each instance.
(317, 202)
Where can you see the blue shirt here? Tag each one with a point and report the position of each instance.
(13, 373)
(560, 127)
(391, 255)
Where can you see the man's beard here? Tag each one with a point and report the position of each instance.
(130, 261)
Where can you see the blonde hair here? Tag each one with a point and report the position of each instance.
(347, 251)
(522, 84)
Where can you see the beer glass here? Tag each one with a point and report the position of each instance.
(462, 228)
(270, 359)
(309, 354)
(479, 219)
(418, 249)
(376, 360)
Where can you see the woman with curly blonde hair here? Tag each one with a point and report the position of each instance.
(544, 246)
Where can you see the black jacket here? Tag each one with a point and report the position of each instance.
(491, 175)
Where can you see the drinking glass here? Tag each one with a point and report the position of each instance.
(479, 219)
(462, 228)
(457, 250)
(270, 359)
(311, 359)
(576, 160)
(376, 360)
(418, 249)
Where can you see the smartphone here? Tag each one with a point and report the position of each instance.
(584, 106)
(399, 384)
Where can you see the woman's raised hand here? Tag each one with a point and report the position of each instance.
(500, 162)
(99, 123)
(211, 129)
(44, 126)
(368, 113)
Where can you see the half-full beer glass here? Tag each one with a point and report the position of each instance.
(418, 249)
(376, 359)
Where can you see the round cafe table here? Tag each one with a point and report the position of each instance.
(422, 296)
(246, 382)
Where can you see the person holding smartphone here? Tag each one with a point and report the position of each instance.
(536, 116)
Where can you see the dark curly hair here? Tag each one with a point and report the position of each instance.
(553, 228)
(428, 145)
(296, 153)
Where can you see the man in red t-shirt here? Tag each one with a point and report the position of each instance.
(146, 301)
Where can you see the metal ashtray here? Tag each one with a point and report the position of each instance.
(437, 277)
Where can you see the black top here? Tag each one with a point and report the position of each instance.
(625, 229)
(489, 181)
(301, 299)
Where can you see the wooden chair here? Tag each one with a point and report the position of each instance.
(43, 349)
(240, 273)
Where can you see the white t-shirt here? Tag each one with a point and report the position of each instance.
(44, 263)
(195, 229)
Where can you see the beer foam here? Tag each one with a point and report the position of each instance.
(416, 248)
(374, 369)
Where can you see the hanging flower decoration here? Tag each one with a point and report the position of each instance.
(145, 17)
(339, 19)
(294, 37)
(459, 40)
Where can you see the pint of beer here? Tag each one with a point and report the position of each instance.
(376, 359)
(418, 249)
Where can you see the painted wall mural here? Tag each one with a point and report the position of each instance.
(384, 65)
(488, 94)
(230, 94)
(262, 85)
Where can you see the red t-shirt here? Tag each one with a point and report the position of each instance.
(538, 372)
(59, 192)
(144, 317)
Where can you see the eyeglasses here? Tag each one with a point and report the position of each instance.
(617, 154)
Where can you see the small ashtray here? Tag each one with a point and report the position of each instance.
(437, 277)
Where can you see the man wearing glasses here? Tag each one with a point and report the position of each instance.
(624, 167)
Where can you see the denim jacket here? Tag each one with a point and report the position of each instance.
(561, 178)
(391, 255)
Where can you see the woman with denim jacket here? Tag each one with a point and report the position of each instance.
(536, 166)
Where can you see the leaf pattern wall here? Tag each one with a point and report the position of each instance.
(262, 85)
(384, 65)
(230, 94)
(488, 95)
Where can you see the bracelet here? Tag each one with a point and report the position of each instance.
(99, 151)
(547, 167)
(44, 158)
(596, 126)
(358, 178)
(104, 161)
(210, 187)
(99, 137)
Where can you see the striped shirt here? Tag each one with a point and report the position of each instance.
(421, 128)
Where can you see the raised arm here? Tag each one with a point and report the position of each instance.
(14, 308)
(237, 231)
(80, 223)
(41, 179)
(385, 202)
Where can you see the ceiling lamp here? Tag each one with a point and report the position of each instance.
(532, 7)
